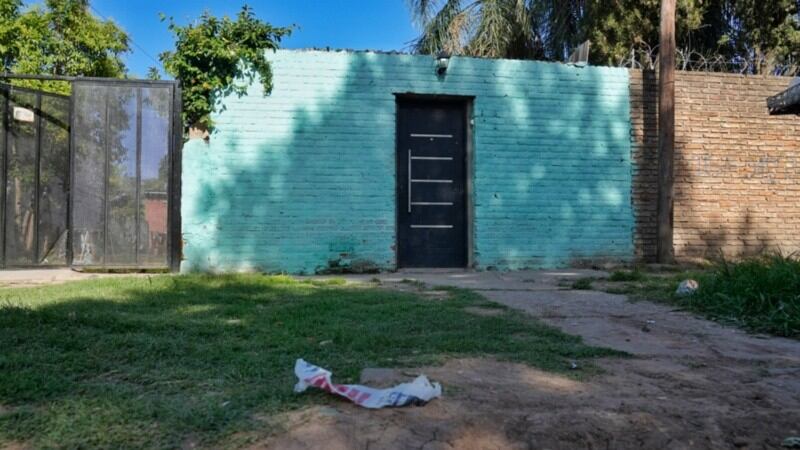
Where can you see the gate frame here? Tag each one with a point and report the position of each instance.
(174, 177)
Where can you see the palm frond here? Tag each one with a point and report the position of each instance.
(459, 32)
(423, 10)
(494, 31)
(443, 31)
(559, 25)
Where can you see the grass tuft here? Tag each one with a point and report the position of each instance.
(583, 284)
(627, 275)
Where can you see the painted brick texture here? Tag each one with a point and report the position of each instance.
(737, 189)
(303, 180)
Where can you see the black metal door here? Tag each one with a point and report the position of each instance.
(431, 184)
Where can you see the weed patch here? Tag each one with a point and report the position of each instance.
(626, 275)
(582, 284)
(761, 294)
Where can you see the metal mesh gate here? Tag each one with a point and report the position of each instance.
(90, 180)
(123, 161)
(34, 144)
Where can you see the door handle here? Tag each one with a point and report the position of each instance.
(409, 181)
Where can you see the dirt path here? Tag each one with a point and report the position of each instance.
(20, 278)
(691, 384)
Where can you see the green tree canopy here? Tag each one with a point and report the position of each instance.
(211, 53)
(759, 33)
(59, 37)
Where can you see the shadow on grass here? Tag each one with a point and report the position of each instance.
(152, 362)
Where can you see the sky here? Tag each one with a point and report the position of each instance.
(351, 24)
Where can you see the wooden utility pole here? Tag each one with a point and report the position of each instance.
(666, 129)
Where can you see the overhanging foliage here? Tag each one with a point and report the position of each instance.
(764, 34)
(212, 53)
(59, 37)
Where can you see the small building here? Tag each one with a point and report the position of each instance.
(365, 160)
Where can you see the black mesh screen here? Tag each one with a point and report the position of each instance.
(122, 175)
(156, 123)
(122, 137)
(53, 181)
(34, 143)
(21, 180)
(89, 129)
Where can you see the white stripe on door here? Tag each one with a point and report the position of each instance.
(423, 135)
(433, 158)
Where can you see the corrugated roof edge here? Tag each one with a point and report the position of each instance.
(787, 102)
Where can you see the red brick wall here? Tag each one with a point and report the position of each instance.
(737, 169)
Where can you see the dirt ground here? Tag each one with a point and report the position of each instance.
(691, 383)
(16, 278)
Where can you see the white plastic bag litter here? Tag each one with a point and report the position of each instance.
(687, 288)
(417, 393)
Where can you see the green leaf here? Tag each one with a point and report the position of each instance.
(211, 53)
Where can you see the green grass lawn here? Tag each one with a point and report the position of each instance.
(154, 362)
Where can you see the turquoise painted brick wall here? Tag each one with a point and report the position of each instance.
(304, 178)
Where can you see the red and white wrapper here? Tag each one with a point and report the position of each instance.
(416, 393)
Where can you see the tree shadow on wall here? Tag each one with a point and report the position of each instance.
(304, 180)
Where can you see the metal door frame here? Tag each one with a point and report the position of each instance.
(467, 102)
